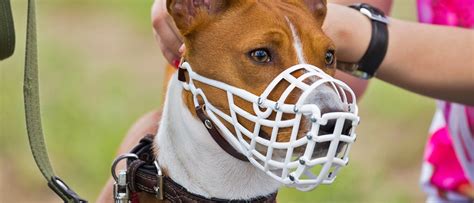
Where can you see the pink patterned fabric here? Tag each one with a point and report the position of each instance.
(448, 154)
(448, 173)
(470, 118)
(447, 12)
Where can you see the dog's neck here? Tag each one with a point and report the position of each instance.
(192, 158)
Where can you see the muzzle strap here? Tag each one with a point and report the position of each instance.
(218, 138)
(181, 74)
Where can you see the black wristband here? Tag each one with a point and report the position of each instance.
(378, 45)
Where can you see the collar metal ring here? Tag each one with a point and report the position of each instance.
(118, 159)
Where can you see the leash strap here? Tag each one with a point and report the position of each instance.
(33, 114)
(7, 30)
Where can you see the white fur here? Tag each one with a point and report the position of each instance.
(193, 159)
(296, 42)
(324, 96)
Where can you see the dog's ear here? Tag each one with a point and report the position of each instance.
(318, 8)
(188, 14)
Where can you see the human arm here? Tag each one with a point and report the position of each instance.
(358, 85)
(435, 61)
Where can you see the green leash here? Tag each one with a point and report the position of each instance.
(32, 103)
(7, 30)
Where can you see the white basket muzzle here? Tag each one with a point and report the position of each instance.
(308, 158)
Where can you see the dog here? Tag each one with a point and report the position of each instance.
(244, 44)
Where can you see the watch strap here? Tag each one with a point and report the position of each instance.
(377, 49)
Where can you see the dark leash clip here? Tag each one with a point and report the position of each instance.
(64, 191)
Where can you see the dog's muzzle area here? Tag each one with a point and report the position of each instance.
(301, 142)
(328, 100)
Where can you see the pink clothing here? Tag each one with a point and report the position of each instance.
(449, 154)
(458, 13)
(439, 152)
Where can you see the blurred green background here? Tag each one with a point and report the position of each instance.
(101, 70)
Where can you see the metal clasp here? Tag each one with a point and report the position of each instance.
(374, 16)
(159, 182)
(121, 192)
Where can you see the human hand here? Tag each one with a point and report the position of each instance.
(166, 33)
(349, 30)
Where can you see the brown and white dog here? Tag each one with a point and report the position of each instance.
(246, 44)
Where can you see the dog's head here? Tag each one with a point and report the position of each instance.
(247, 44)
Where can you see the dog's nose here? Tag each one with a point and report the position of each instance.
(331, 125)
(327, 99)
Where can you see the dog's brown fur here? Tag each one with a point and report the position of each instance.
(219, 36)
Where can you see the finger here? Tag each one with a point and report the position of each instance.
(167, 37)
(182, 49)
(165, 31)
(169, 20)
(168, 50)
(169, 55)
(163, 21)
(159, 6)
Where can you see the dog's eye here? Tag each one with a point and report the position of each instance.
(261, 55)
(329, 58)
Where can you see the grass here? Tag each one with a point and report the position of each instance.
(101, 70)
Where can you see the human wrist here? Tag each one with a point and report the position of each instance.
(349, 30)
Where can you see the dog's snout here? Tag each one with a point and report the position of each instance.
(331, 125)
(327, 99)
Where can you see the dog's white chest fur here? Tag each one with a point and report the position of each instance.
(193, 159)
